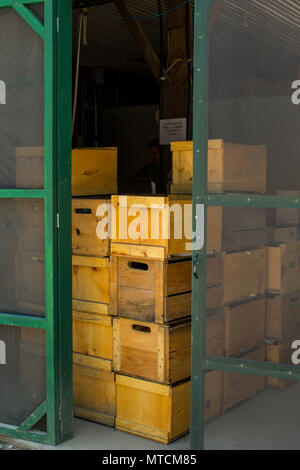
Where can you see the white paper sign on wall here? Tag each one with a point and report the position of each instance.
(172, 130)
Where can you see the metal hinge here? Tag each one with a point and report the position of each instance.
(57, 220)
(57, 24)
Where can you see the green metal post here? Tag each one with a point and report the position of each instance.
(200, 137)
(65, 216)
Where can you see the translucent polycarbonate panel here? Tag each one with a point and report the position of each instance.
(254, 97)
(21, 102)
(22, 259)
(22, 373)
(255, 415)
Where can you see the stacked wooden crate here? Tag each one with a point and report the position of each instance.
(151, 301)
(231, 167)
(94, 172)
(283, 287)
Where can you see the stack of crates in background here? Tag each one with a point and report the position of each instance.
(242, 237)
(151, 302)
(283, 286)
(94, 172)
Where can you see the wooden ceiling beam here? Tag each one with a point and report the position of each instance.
(140, 38)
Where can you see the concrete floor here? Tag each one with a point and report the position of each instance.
(268, 421)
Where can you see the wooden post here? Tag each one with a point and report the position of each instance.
(176, 97)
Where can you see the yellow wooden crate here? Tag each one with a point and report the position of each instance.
(244, 274)
(165, 233)
(93, 335)
(86, 225)
(283, 268)
(154, 352)
(94, 171)
(91, 284)
(162, 353)
(160, 290)
(161, 412)
(94, 389)
(231, 167)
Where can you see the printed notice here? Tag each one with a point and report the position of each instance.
(172, 130)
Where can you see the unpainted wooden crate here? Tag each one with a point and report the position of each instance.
(244, 325)
(240, 219)
(30, 167)
(283, 316)
(162, 412)
(166, 226)
(244, 228)
(239, 387)
(90, 218)
(282, 217)
(231, 167)
(162, 353)
(282, 234)
(244, 274)
(30, 281)
(93, 335)
(30, 257)
(160, 290)
(283, 268)
(91, 284)
(280, 353)
(94, 171)
(32, 364)
(244, 240)
(94, 389)
(155, 352)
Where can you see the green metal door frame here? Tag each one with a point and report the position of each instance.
(56, 32)
(201, 362)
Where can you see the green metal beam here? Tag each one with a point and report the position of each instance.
(257, 368)
(30, 18)
(248, 200)
(64, 209)
(10, 3)
(33, 418)
(12, 431)
(22, 320)
(52, 340)
(200, 136)
(22, 193)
